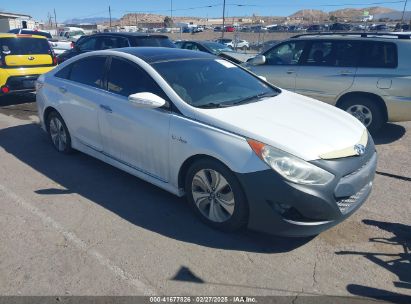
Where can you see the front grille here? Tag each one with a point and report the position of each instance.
(358, 170)
(347, 204)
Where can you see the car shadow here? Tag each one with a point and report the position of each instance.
(398, 264)
(388, 134)
(136, 201)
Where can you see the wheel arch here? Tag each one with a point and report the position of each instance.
(46, 114)
(191, 160)
(372, 96)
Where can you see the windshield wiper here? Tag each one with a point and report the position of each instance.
(255, 97)
(213, 105)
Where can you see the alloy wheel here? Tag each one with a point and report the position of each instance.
(213, 195)
(58, 134)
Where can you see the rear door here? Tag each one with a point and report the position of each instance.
(327, 69)
(25, 51)
(80, 96)
(282, 64)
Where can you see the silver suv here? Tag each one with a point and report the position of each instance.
(365, 74)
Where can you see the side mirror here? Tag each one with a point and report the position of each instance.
(146, 100)
(257, 60)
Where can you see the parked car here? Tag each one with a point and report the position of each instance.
(22, 59)
(244, 152)
(31, 32)
(218, 29)
(104, 41)
(380, 28)
(363, 74)
(229, 28)
(223, 40)
(335, 27)
(214, 48)
(316, 28)
(238, 44)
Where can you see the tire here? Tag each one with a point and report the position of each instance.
(366, 110)
(232, 215)
(58, 133)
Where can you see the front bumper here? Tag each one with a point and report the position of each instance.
(279, 207)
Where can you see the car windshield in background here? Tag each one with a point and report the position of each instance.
(216, 47)
(24, 46)
(153, 41)
(213, 83)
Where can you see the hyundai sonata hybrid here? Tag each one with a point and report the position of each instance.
(243, 152)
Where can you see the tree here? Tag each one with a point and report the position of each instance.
(333, 18)
(168, 22)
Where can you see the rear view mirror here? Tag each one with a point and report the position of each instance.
(257, 60)
(146, 100)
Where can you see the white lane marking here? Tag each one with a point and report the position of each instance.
(80, 244)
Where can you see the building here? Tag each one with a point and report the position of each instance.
(9, 21)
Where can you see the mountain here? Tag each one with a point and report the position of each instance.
(94, 20)
(346, 13)
(350, 13)
(394, 16)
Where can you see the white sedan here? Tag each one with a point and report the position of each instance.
(244, 152)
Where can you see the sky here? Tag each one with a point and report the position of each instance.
(203, 8)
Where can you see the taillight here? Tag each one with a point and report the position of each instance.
(5, 89)
(72, 45)
(54, 60)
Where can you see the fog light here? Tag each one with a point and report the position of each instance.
(281, 208)
(5, 89)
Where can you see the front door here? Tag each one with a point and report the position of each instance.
(134, 136)
(282, 64)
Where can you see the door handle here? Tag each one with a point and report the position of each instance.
(62, 90)
(106, 108)
(290, 71)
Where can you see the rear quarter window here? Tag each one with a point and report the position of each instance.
(24, 46)
(376, 54)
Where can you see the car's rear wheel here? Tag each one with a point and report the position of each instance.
(216, 195)
(365, 110)
(58, 132)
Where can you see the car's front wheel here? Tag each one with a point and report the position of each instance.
(216, 195)
(58, 132)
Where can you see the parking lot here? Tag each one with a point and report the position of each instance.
(72, 225)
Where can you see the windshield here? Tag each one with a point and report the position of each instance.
(24, 46)
(212, 83)
(216, 47)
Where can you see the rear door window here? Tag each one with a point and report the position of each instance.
(87, 44)
(333, 54)
(110, 42)
(376, 54)
(89, 71)
(24, 46)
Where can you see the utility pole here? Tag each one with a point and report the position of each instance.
(55, 17)
(403, 13)
(171, 10)
(223, 29)
(109, 12)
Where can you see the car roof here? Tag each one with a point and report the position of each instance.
(158, 54)
(10, 35)
(132, 34)
(354, 36)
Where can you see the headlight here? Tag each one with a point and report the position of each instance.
(290, 167)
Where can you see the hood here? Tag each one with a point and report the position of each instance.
(304, 127)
